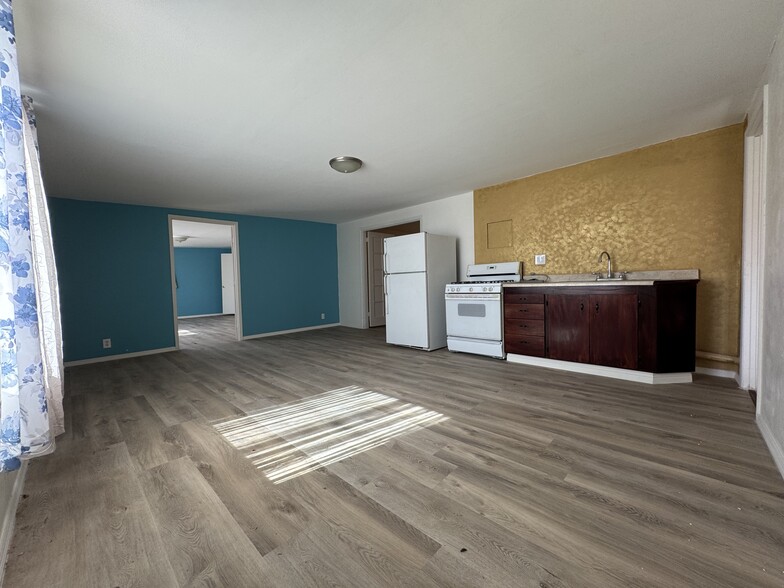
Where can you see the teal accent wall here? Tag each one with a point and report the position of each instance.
(115, 282)
(198, 271)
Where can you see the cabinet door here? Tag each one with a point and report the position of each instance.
(614, 330)
(568, 322)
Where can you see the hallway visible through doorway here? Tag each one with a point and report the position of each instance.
(204, 267)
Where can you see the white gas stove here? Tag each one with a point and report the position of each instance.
(474, 313)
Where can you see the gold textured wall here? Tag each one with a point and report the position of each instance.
(675, 205)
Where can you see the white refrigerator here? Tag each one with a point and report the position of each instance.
(417, 268)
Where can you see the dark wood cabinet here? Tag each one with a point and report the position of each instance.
(525, 345)
(568, 319)
(650, 328)
(667, 317)
(613, 330)
(512, 297)
(533, 328)
(524, 323)
(524, 311)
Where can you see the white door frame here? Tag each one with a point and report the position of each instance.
(235, 249)
(753, 261)
(369, 272)
(363, 257)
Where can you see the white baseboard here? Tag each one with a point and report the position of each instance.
(118, 356)
(9, 518)
(167, 349)
(287, 331)
(774, 445)
(600, 370)
(187, 316)
(718, 373)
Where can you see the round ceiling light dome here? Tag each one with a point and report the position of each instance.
(345, 164)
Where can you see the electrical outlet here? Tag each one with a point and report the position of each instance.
(323, 316)
(540, 259)
(107, 343)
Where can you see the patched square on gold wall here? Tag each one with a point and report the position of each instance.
(499, 234)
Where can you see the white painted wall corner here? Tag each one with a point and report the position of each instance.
(776, 450)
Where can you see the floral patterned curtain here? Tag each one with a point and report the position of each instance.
(30, 342)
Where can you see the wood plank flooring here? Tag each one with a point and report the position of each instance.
(534, 478)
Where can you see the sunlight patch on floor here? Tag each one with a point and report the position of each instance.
(185, 332)
(298, 437)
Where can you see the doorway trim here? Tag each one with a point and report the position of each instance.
(371, 268)
(235, 249)
(363, 231)
(753, 252)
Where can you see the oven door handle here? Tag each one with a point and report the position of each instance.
(490, 296)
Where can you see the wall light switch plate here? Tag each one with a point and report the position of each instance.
(540, 259)
(107, 343)
(323, 316)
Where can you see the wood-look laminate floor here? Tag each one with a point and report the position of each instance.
(530, 477)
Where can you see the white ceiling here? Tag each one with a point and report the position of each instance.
(238, 106)
(201, 234)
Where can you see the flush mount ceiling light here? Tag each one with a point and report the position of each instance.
(345, 164)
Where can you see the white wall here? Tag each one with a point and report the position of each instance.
(451, 216)
(771, 395)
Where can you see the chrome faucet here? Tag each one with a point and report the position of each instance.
(609, 264)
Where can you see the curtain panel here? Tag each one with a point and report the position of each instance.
(30, 340)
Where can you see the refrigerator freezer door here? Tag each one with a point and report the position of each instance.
(407, 310)
(405, 254)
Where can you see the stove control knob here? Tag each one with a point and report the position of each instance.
(470, 289)
(484, 289)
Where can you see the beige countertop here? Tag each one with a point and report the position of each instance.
(632, 279)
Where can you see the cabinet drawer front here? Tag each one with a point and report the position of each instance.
(520, 298)
(524, 345)
(525, 327)
(524, 311)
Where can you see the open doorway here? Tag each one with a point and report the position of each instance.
(752, 322)
(205, 281)
(374, 254)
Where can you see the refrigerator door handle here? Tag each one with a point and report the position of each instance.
(386, 296)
